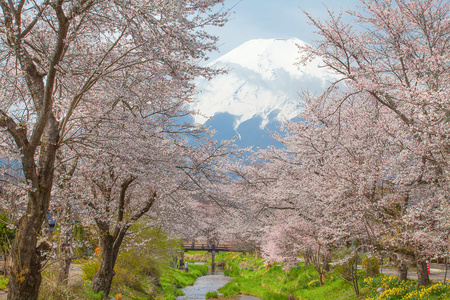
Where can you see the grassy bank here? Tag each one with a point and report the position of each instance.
(253, 276)
(130, 282)
(173, 279)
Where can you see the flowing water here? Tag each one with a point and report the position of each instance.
(209, 283)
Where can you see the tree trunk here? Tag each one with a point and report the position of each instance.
(213, 264)
(446, 269)
(422, 273)
(103, 278)
(355, 276)
(27, 256)
(320, 277)
(65, 245)
(402, 271)
(5, 262)
(25, 278)
(326, 263)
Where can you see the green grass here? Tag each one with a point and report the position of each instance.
(210, 295)
(173, 279)
(254, 276)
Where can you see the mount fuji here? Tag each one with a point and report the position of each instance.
(260, 90)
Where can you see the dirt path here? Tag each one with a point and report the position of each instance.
(75, 275)
(437, 273)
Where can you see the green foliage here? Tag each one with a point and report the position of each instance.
(210, 295)
(198, 256)
(3, 282)
(7, 234)
(371, 264)
(124, 278)
(153, 240)
(90, 267)
(258, 278)
(139, 269)
(89, 294)
(345, 262)
(86, 238)
(268, 295)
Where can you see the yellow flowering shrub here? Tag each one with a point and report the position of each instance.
(403, 290)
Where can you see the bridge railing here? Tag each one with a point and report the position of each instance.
(207, 247)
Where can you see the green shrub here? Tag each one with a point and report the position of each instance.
(346, 259)
(210, 295)
(90, 295)
(268, 295)
(89, 268)
(198, 256)
(141, 263)
(3, 282)
(371, 264)
(125, 278)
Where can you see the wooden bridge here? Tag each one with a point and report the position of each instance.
(212, 248)
(191, 246)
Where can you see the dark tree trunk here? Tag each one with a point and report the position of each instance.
(320, 278)
(326, 263)
(213, 264)
(27, 256)
(422, 273)
(354, 270)
(402, 271)
(446, 269)
(25, 278)
(103, 278)
(110, 243)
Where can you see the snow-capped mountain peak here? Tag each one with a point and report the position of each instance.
(263, 80)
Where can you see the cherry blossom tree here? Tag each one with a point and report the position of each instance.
(65, 63)
(140, 164)
(398, 59)
(345, 182)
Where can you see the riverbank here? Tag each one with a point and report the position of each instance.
(254, 276)
(173, 280)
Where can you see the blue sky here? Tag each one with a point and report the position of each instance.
(256, 19)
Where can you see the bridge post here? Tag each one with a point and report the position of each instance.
(213, 252)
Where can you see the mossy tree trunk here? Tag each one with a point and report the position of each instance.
(110, 243)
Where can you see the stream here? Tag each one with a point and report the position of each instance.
(209, 283)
